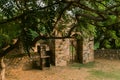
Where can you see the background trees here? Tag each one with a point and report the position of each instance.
(29, 20)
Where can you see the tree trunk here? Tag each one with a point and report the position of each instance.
(2, 69)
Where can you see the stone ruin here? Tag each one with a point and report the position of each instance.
(87, 51)
(60, 53)
(60, 49)
(112, 54)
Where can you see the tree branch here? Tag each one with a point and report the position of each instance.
(8, 49)
(112, 7)
(82, 6)
(30, 11)
(89, 17)
(60, 15)
(71, 29)
(44, 37)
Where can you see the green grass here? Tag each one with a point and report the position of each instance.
(102, 75)
(98, 74)
(88, 65)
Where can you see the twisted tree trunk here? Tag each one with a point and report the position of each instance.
(2, 69)
(4, 52)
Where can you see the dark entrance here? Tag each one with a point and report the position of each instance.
(75, 50)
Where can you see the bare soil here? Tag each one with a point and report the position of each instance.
(62, 73)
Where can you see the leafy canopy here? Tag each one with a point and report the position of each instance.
(30, 20)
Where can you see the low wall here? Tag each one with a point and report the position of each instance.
(108, 53)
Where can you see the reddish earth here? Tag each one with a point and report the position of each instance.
(54, 73)
(60, 73)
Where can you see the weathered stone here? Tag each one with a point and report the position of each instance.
(107, 53)
(87, 51)
(61, 51)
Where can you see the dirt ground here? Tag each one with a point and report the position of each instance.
(63, 73)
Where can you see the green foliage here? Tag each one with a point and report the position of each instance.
(107, 44)
(27, 37)
(96, 45)
(92, 30)
(34, 34)
(112, 34)
(117, 42)
(111, 20)
(4, 40)
(29, 19)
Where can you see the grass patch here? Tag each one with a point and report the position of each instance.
(87, 65)
(113, 75)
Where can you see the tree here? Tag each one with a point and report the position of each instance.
(31, 20)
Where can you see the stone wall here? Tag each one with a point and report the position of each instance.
(108, 53)
(60, 50)
(87, 50)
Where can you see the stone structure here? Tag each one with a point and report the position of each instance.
(108, 53)
(87, 52)
(60, 54)
(60, 50)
